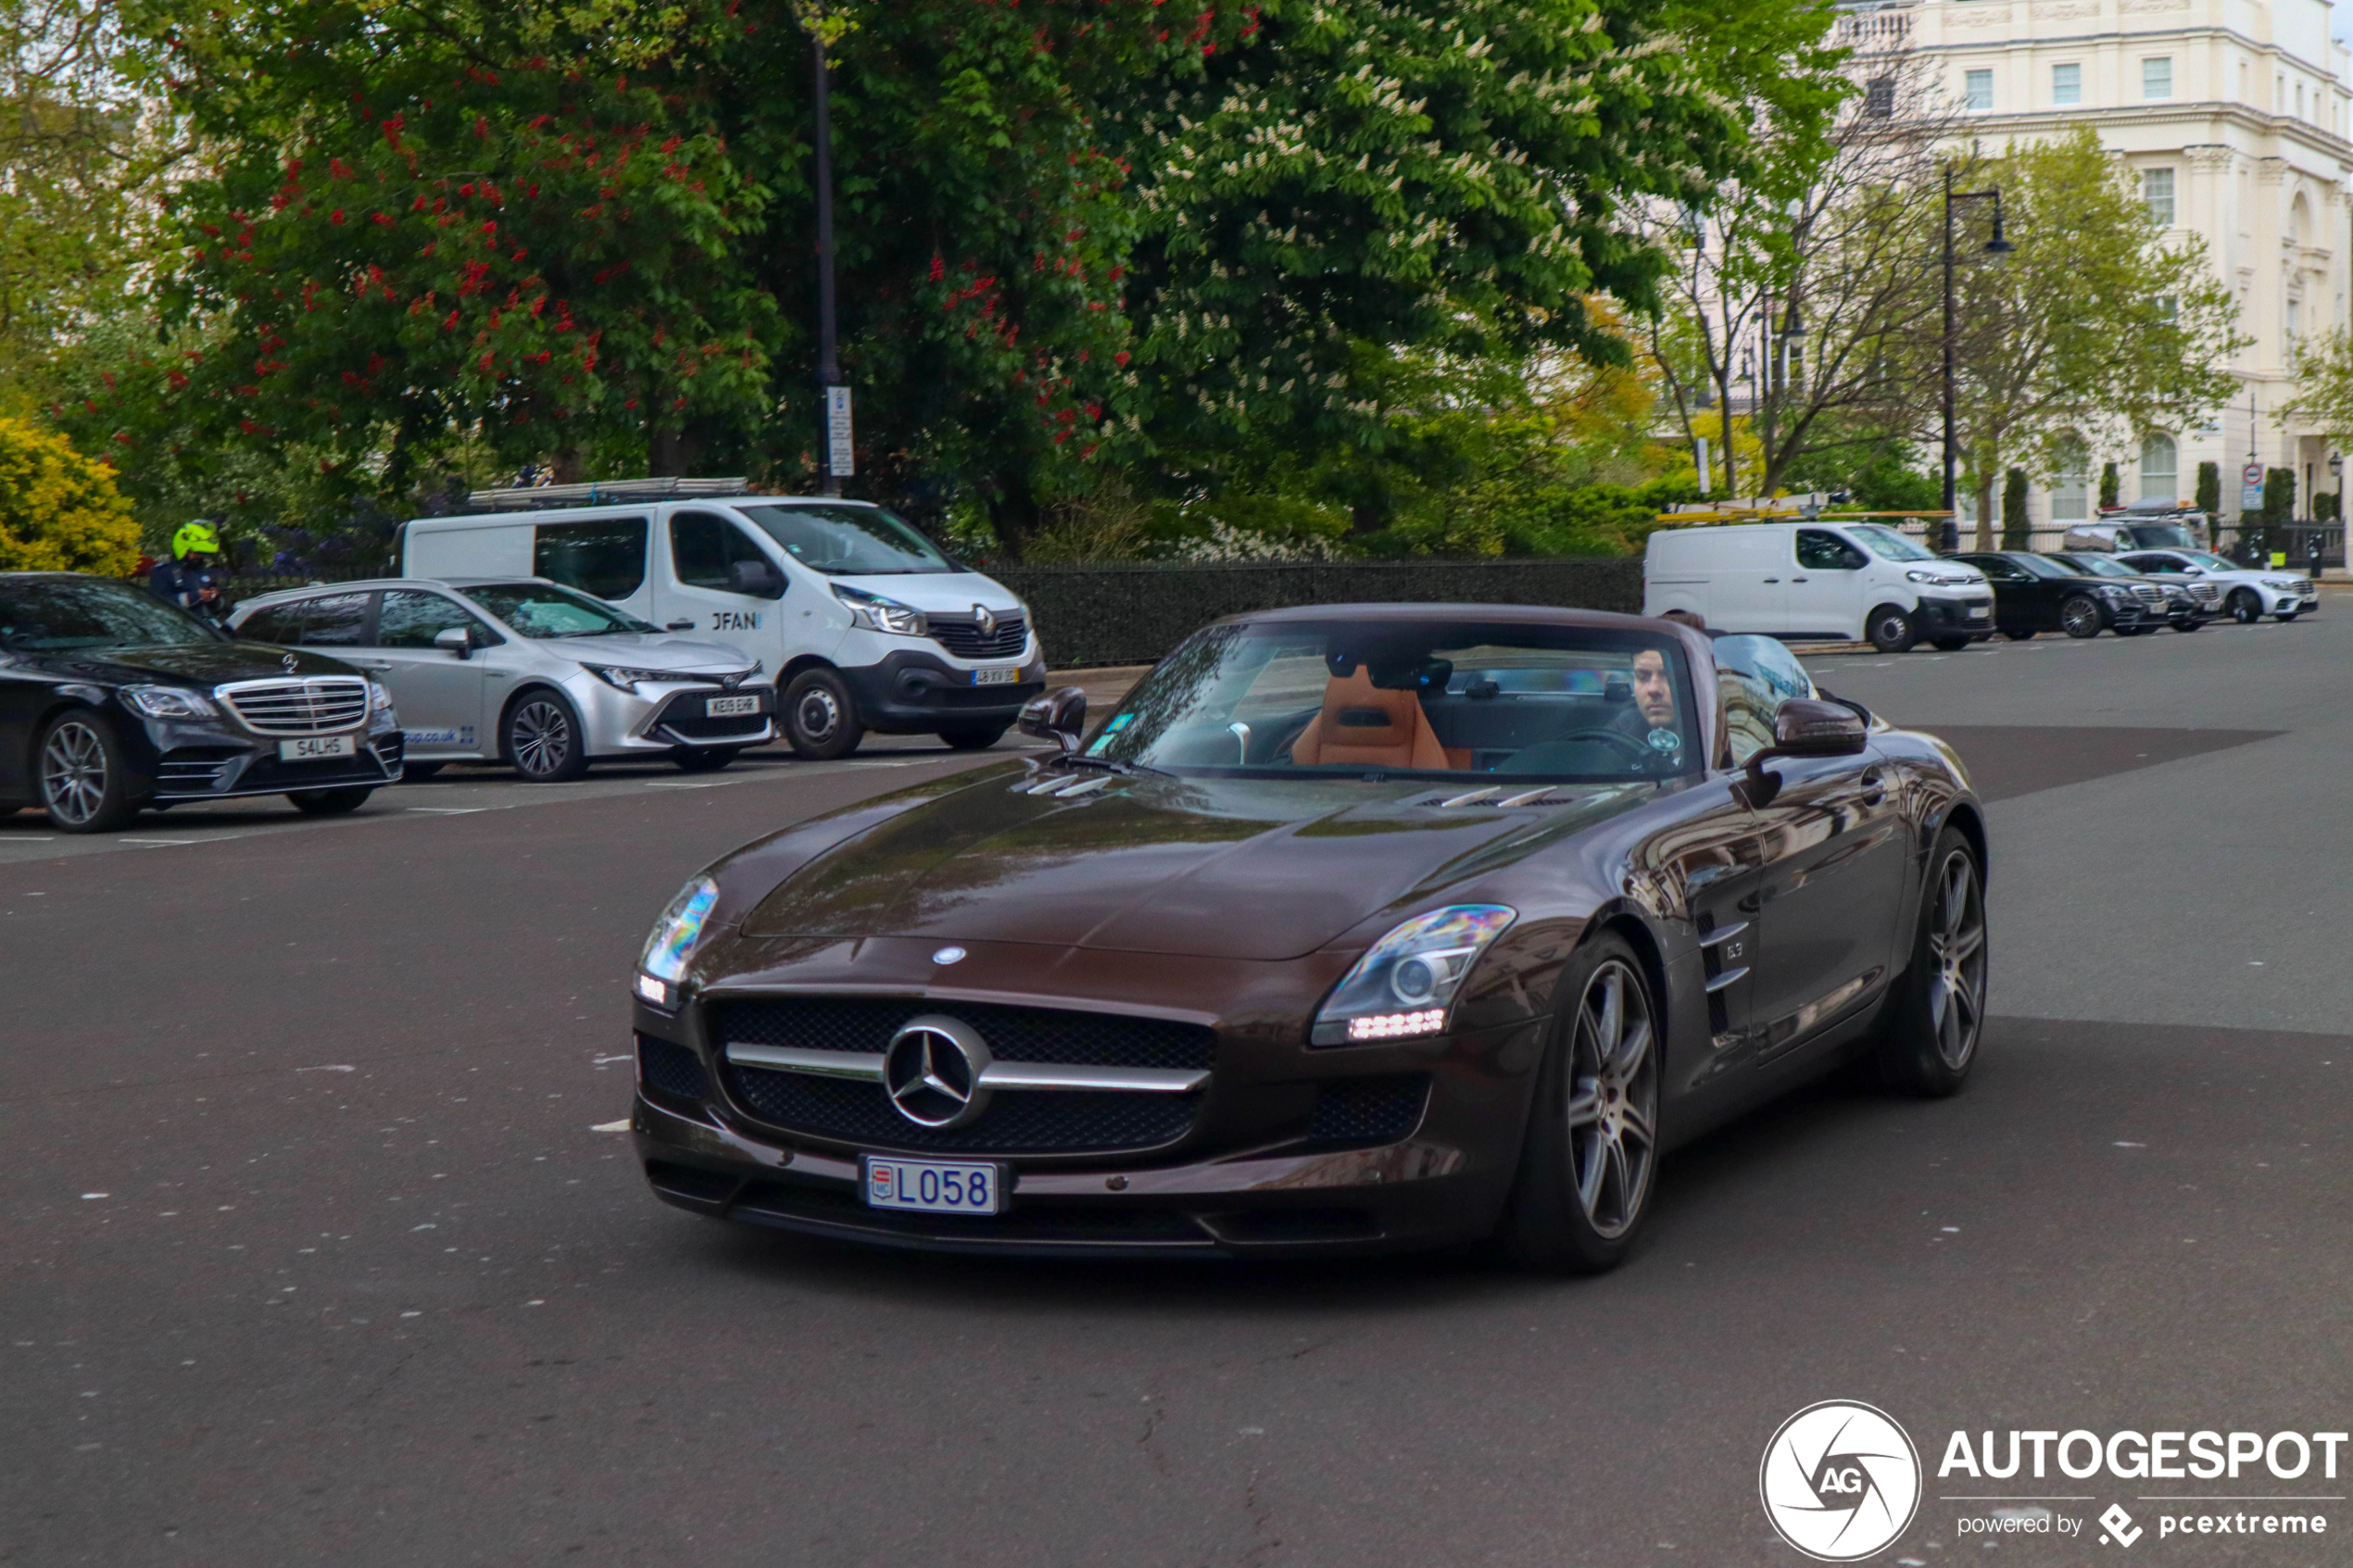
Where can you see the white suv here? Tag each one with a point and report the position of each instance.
(2249, 593)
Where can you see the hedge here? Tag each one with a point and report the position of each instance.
(1091, 615)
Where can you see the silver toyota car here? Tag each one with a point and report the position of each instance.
(526, 671)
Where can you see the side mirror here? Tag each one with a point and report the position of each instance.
(1058, 716)
(458, 640)
(1803, 727)
(755, 579)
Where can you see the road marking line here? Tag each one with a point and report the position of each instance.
(449, 810)
(170, 841)
(620, 1126)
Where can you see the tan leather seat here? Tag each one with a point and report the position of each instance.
(1363, 724)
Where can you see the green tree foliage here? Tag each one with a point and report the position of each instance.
(2209, 489)
(2279, 496)
(2110, 484)
(2014, 520)
(59, 511)
(2069, 335)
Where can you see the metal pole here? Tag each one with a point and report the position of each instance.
(828, 352)
(1951, 531)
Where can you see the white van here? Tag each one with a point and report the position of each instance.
(1846, 580)
(866, 624)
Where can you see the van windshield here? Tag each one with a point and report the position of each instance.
(849, 541)
(1886, 544)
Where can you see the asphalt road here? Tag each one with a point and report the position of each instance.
(317, 1252)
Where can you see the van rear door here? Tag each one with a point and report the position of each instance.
(603, 556)
(1751, 568)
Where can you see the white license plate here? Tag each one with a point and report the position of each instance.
(1005, 677)
(1978, 613)
(317, 748)
(729, 707)
(935, 1186)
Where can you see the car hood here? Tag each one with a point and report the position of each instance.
(938, 593)
(191, 664)
(646, 650)
(1241, 868)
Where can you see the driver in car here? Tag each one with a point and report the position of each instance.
(1650, 717)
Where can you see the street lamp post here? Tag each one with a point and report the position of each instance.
(1996, 247)
(828, 349)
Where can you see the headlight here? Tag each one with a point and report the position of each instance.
(627, 679)
(663, 963)
(170, 702)
(878, 614)
(379, 697)
(2282, 584)
(1405, 985)
(2113, 593)
(1944, 578)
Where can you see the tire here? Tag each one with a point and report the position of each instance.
(974, 737)
(821, 718)
(2245, 607)
(1929, 1041)
(704, 759)
(541, 738)
(330, 802)
(412, 772)
(1950, 644)
(2020, 636)
(84, 775)
(2079, 617)
(1890, 629)
(1590, 1160)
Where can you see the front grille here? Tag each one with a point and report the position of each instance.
(1022, 1121)
(1015, 1033)
(2148, 592)
(316, 705)
(2303, 588)
(1368, 1110)
(668, 1068)
(962, 635)
(1027, 1219)
(2206, 593)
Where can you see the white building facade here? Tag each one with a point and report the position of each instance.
(2235, 114)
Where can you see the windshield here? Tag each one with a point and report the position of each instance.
(2211, 562)
(60, 613)
(540, 610)
(2097, 566)
(1372, 698)
(2040, 566)
(849, 541)
(1888, 544)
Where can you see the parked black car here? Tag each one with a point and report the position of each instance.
(2188, 603)
(112, 701)
(2035, 593)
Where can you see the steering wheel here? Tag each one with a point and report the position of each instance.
(1640, 750)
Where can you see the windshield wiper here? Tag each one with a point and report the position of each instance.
(1104, 764)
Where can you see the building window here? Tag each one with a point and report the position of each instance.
(2066, 85)
(2156, 194)
(2295, 321)
(2169, 308)
(1978, 89)
(2157, 77)
(2159, 475)
(2299, 100)
(1879, 98)
(2067, 489)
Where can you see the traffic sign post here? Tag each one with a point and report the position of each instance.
(840, 463)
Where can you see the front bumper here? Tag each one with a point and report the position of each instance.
(908, 691)
(192, 762)
(1261, 1169)
(1955, 618)
(660, 719)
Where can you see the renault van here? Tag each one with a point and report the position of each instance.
(864, 623)
(1849, 581)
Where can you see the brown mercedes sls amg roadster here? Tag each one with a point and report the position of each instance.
(1354, 928)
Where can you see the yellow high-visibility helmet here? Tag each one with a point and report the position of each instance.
(197, 535)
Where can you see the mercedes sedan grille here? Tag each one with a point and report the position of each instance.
(314, 706)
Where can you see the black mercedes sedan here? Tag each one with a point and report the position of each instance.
(1353, 928)
(112, 701)
(2034, 594)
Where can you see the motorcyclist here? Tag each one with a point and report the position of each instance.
(186, 579)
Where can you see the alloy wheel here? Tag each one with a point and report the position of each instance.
(1957, 946)
(73, 772)
(541, 736)
(1613, 1099)
(2081, 617)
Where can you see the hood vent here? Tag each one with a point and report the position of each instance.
(1493, 795)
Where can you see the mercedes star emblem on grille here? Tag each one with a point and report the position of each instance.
(932, 1071)
(292, 663)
